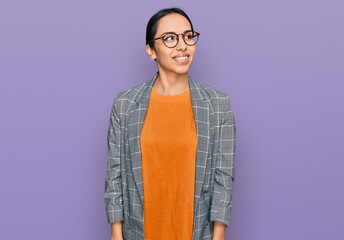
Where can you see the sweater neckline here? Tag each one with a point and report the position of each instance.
(170, 98)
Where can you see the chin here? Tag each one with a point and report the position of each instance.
(181, 69)
(181, 72)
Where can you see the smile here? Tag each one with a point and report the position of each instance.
(184, 59)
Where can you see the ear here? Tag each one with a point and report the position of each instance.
(151, 52)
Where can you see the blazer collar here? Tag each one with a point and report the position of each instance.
(196, 92)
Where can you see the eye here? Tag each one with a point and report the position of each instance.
(169, 37)
(189, 35)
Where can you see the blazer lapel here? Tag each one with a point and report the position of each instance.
(137, 114)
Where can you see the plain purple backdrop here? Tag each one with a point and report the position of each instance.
(281, 63)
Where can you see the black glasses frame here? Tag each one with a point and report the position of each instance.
(183, 36)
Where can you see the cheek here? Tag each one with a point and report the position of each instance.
(193, 52)
(164, 56)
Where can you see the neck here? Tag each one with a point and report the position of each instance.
(171, 84)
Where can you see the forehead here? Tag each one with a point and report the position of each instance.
(173, 23)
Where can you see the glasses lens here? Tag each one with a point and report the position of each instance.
(191, 38)
(170, 39)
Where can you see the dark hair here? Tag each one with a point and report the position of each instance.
(152, 25)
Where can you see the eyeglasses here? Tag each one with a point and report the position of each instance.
(171, 39)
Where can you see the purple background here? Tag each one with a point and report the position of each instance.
(63, 62)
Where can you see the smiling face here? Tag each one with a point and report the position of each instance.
(172, 60)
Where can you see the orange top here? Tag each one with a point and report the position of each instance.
(168, 147)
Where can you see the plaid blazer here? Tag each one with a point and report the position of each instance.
(216, 133)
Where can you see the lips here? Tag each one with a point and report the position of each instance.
(181, 57)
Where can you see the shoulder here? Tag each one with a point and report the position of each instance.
(131, 93)
(214, 95)
(125, 98)
(219, 100)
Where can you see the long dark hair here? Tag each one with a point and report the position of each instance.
(152, 25)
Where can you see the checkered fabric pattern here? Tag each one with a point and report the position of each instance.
(216, 134)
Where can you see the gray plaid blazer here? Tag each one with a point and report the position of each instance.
(214, 159)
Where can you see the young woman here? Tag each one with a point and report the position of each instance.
(171, 144)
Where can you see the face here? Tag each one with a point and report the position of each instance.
(167, 58)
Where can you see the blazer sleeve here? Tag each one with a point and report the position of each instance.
(113, 181)
(221, 204)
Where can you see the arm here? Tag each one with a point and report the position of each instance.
(221, 204)
(219, 231)
(113, 182)
(116, 231)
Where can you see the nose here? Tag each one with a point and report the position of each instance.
(181, 44)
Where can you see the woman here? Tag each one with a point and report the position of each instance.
(171, 144)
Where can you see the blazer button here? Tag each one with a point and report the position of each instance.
(206, 190)
(206, 224)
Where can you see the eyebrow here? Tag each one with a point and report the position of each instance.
(175, 32)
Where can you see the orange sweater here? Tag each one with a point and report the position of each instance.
(168, 147)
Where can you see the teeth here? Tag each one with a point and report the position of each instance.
(181, 58)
